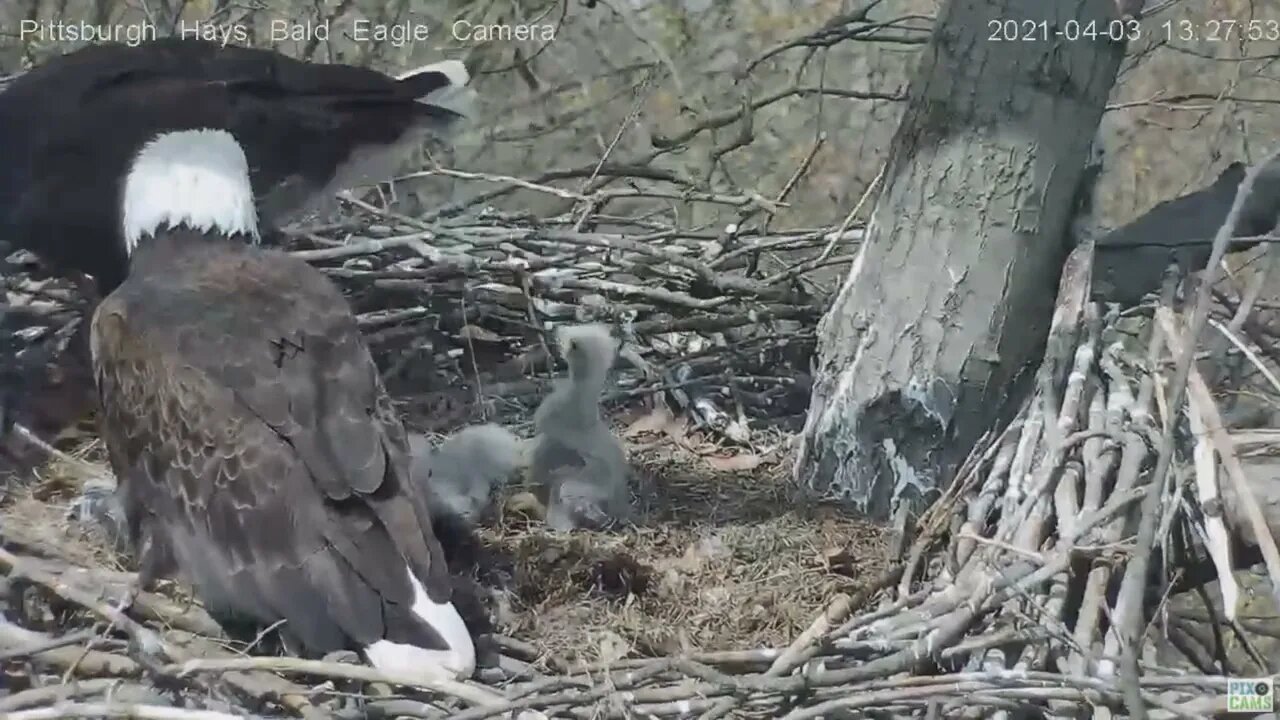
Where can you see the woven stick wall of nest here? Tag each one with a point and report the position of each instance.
(457, 304)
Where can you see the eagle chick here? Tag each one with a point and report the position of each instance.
(575, 460)
(462, 474)
(256, 450)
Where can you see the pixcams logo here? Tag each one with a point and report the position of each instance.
(1251, 696)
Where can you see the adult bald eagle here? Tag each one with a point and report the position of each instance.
(255, 446)
(308, 130)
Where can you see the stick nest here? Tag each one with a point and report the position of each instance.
(729, 596)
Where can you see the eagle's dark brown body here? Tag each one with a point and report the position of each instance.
(256, 448)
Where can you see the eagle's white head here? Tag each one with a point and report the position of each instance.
(196, 178)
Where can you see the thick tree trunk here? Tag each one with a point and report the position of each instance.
(945, 311)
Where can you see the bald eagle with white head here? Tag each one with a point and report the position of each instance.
(256, 449)
(308, 129)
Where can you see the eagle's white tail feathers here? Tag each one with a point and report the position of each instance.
(458, 662)
(452, 69)
(455, 96)
(197, 178)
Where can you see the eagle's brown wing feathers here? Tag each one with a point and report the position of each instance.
(254, 423)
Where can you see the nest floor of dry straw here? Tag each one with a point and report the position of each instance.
(718, 560)
(719, 556)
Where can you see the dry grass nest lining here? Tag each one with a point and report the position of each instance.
(716, 560)
(38, 508)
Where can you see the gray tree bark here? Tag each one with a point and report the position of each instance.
(936, 331)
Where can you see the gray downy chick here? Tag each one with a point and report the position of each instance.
(98, 508)
(463, 473)
(576, 462)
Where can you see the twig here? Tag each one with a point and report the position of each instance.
(51, 694)
(146, 638)
(95, 663)
(74, 638)
(463, 691)
(1202, 400)
(1129, 606)
(120, 710)
(35, 441)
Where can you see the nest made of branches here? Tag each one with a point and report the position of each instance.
(1008, 598)
(716, 341)
(1015, 592)
(715, 600)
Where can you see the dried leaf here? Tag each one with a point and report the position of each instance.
(611, 646)
(477, 333)
(840, 561)
(703, 552)
(740, 462)
(656, 421)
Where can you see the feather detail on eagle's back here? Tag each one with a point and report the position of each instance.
(227, 435)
